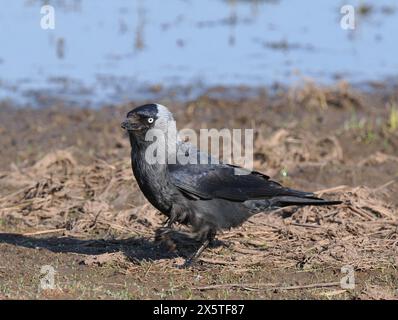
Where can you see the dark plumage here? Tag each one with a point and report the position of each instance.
(208, 197)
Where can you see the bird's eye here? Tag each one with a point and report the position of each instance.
(150, 120)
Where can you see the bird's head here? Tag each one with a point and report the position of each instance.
(147, 117)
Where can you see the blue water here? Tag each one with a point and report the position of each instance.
(110, 51)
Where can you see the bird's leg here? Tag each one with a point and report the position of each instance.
(169, 223)
(210, 235)
(198, 252)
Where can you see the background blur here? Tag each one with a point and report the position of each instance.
(113, 51)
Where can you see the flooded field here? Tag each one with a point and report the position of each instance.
(114, 51)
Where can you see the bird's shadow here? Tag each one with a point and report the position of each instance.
(135, 249)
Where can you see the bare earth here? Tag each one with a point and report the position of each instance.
(68, 199)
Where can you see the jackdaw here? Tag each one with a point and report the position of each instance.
(210, 196)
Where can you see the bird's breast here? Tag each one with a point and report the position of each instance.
(154, 184)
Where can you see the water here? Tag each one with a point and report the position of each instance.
(112, 51)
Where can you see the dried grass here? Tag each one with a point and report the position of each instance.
(58, 192)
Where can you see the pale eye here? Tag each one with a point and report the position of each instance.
(150, 120)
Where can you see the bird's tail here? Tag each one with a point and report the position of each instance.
(285, 201)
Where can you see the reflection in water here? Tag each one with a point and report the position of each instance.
(139, 34)
(111, 50)
(233, 21)
(60, 48)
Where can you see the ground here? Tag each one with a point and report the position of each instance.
(68, 200)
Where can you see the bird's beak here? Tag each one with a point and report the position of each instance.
(131, 124)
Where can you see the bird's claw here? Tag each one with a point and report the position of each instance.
(162, 236)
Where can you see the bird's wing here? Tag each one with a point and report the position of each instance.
(209, 181)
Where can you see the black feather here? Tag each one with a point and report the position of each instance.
(222, 182)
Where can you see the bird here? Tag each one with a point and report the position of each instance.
(208, 197)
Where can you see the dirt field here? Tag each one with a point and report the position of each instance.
(68, 199)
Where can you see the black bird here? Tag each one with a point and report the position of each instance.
(208, 197)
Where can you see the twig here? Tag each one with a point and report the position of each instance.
(246, 251)
(331, 189)
(362, 213)
(305, 225)
(12, 195)
(383, 186)
(310, 286)
(248, 286)
(267, 286)
(43, 232)
(225, 263)
(120, 227)
(331, 214)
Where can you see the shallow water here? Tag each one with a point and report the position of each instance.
(110, 51)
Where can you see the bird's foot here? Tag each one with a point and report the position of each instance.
(188, 263)
(162, 236)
